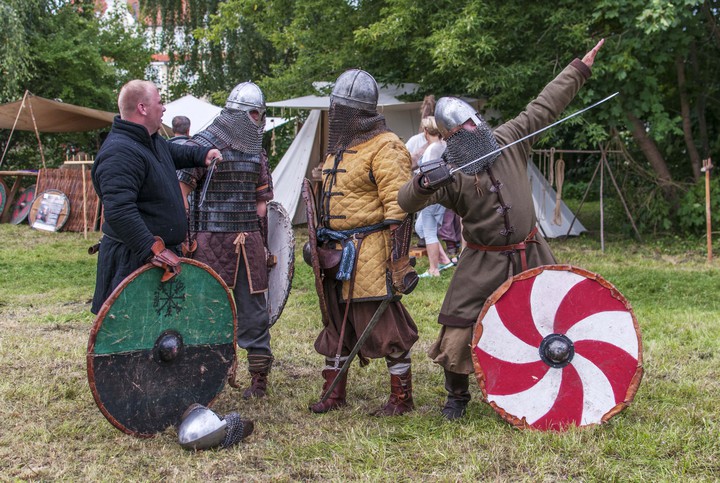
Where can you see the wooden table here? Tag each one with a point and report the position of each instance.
(5, 216)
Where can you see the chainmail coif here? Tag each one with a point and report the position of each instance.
(238, 130)
(236, 430)
(350, 126)
(463, 147)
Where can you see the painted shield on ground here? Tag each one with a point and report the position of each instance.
(312, 224)
(281, 244)
(49, 211)
(557, 346)
(22, 205)
(3, 195)
(156, 348)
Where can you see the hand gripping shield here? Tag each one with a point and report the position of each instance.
(557, 346)
(281, 259)
(310, 251)
(157, 348)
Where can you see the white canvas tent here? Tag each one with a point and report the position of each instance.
(307, 150)
(202, 113)
(544, 197)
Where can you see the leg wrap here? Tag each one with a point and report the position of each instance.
(259, 366)
(458, 397)
(260, 363)
(398, 362)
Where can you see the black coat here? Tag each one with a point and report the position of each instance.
(134, 175)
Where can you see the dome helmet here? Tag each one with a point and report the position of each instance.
(451, 113)
(355, 88)
(201, 428)
(247, 97)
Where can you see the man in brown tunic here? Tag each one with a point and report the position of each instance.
(495, 203)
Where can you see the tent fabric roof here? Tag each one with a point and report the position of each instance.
(318, 102)
(202, 113)
(293, 167)
(52, 116)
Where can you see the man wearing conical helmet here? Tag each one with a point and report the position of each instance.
(360, 221)
(494, 199)
(228, 220)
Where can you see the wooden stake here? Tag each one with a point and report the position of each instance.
(707, 166)
(84, 188)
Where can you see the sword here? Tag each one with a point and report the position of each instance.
(209, 174)
(455, 170)
(366, 333)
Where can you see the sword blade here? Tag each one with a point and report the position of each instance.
(485, 156)
(208, 176)
(366, 333)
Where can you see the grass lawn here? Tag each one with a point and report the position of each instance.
(51, 428)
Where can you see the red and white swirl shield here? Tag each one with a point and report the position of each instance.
(557, 346)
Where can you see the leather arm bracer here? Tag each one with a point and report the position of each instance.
(435, 174)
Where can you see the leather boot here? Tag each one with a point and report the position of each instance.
(337, 397)
(401, 399)
(458, 397)
(259, 367)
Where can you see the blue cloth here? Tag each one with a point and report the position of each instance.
(347, 260)
(429, 219)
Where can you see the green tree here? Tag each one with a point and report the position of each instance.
(65, 51)
(13, 51)
(661, 56)
(202, 62)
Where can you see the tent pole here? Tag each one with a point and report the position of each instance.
(707, 166)
(7, 145)
(582, 202)
(37, 133)
(84, 183)
(622, 198)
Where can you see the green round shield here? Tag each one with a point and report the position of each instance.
(156, 348)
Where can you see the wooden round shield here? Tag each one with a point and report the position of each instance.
(281, 245)
(312, 224)
(22, 205)
(156, 348)
(49, 211)
(557, 346)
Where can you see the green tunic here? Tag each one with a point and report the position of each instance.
(480, 273)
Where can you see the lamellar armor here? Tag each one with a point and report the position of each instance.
(230, 204)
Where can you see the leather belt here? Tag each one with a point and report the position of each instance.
(509, 249)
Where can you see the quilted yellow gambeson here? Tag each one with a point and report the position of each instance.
(366, 199)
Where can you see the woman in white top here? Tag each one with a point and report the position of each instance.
(430, 218)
